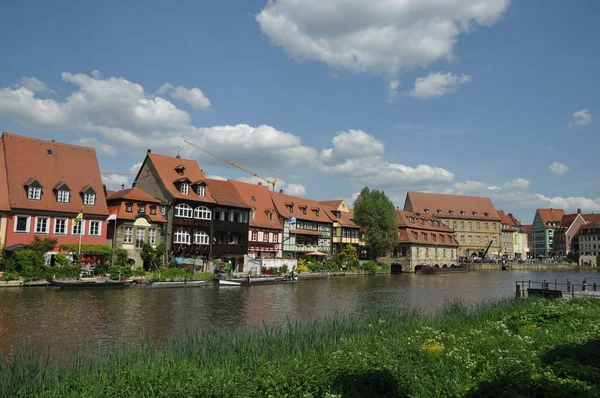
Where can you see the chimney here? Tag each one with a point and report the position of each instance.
(281, 191)
(578, 211)
(104, 189)
(259, 183)
(122, 186)
(149, 151)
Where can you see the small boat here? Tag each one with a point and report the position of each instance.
(193, 283)
(225, 282)
(429, 270)
(91, 283)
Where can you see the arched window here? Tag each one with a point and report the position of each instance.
(202, 213)
(183, 210)
(200, 238)
(183, 237)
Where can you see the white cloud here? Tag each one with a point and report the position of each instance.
(280, 185)
(393, 87)
(570, 204)
(379, 36)
(33, 84)
(116, 182)
(581, 118)
(99, 146)
(438, 84)
(558, 168)
(217, 177)
(193, 96)
(135, 168)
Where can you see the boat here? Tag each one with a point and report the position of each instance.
(93, 282)
(225, 282)
(192, 283)
(429, 270)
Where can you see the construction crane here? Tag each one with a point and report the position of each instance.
(118, 173)
(237, 165)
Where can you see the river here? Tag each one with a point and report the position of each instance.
(48, 318)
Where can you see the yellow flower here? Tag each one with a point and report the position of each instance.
(529, 328)
(432, 347)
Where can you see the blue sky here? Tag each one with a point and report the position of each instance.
(496, 98)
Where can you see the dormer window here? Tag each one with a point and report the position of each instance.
(421, 221)
(474, 214)
(303, 209)
(451, 212)
(180, 170)
(153, 210)
(426, 211)
(184, 188)
(290, 207)
(271, 217)
(315, 210)
(415, 236)
(411, 220)
(336, 213)
(439, 211)
(163, 210)
(201, 190)
(129, 207)
(486, 214)
(462, 213)
(34, 193)
(63, 196)
(253, 213)
(89, 199)
(141, 209)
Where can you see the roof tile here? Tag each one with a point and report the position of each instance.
(440, 205)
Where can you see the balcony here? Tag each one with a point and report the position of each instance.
(191, 222)
(229, 226)
(263, 245)
(219, 250)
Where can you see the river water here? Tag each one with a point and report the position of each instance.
(48, 318)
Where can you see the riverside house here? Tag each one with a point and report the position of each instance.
(513, 239)
(473, 219)
(266, 231)
(566, 236)
(4, 203)
(422, 240)
(546, 223)
(48, 185)
(345, 230)
(137, 221)
(199, 227)
(312, 229)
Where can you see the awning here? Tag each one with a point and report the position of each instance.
(315, 254)
(305, 232)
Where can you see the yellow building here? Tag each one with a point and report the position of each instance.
(345, 230)
(473, 219)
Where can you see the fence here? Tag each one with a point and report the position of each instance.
(556, 289)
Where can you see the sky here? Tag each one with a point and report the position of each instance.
(493, 98)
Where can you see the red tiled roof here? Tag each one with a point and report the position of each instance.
(527, 228)
(122, 214)
(592, 225)
(305, 232)
(508, 220)
(225, 194)
(51, 163)
(280, 200)
(550, 215)
(165, 167)
(4, 202)
(345, 218)
(440, 205)
(334, 204)
(133, 194)
(434, 230)
(257, 197)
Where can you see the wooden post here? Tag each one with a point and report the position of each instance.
(555, 285)
(545, 285)
(518, 291)
(529, 284)
(568, 285)
(583, 285)
(594, 286)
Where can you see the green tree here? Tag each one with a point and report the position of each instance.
(42, 246)
(153, 256)
(348, 258)
(374, 211)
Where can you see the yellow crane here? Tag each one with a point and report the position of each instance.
(118, 173)
(237, 165)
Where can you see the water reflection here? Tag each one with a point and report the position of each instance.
(66, 320)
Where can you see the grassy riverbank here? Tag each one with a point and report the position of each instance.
(505, 349)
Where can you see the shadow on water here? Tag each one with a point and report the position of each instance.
(574, 372)
(370, 383)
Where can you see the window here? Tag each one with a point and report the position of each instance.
(462, 225)
(474, 214)
(22, 224)
(201, 238)
(254, 236)
(153, 210)
(182, 237)
(141, 209)
(95, 228)
(470, 226)
(34, 193)
(447, 223)
(129, 207)
(487, 239)
(152, 236)
(442, 239)
(290, 208)
(439, 212)
(183, 210)
(275, 237)
(184, 189)
(316, 211)
(140, 233)
(41, 225)
(462, 239)
(63, 196)
(469, 239)
(451, 212)
(426, 211)
(486, 226)
(433, 238)
(202, 213)
(455, 224)
(271, 218)
(493, 226)
(252, 214)
(424, 235)
(60, 226)
(89, 199)
(462, 212)
(478, 239)
(163, 210)
(78, 227)
(303, 209)
(415, 236)
(265, 236)
(478, 225)
(128, 237)
(201, 190)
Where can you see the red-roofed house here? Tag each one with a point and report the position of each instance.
(589, 243)
(566, 237)
(49, 183)
(4, 203)
(201, 224)
(422, 240)
(137, 220)
(545, 224)
(345, 230)
(513, 239)
(474, 219)
(306, 227)
(266, 231)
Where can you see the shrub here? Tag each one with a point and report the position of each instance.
(301, 266)
(10, 276)
(139, 272)
(31, 264)
(62, 272)
(101, 269)
(284, 269)
(370, 267)
(172, 274)
(119, 272)
(205, 276)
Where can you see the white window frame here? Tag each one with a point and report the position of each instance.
(128, 235)
(56, 221)
(252, 214)
(254, 236)
(89, 199)
(140, 237)
(183, 210)
(152, 236)
(75, 224)
(26, 224)
(92, 224)
(185, 188)
(202, 213)
(34, 193)
(201, 190)
(265, 236)
(63, 196)
(182, 237)
(47, 229)
(275, 237)
(201, 238)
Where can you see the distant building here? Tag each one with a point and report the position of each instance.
(513, 238)
(345, 230)
(137, 221)
(543, 231)
(48, 185)
(312, 229)
(473, 219)
(589, 240)
(4, 203)
(566, 237)
(422, 240)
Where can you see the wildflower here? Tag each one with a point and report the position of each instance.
(432, 347)
(529, 328)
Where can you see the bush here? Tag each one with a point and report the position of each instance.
(284, 269)
(10, 276)
(31, 264)
(62, 272)
(206, 276)
(139, 272)
(370, 267)
(172, 274)
(101, 269)
(118, 272)
(301, 266)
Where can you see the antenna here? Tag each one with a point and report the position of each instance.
(272, 182)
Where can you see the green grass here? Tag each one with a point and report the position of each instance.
(503, 349)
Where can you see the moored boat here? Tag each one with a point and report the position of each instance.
(429, 270)
(93, 282)
(161, 284)
(225, 282)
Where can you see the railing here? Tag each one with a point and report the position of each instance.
(555, 289)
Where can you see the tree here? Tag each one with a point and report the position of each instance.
(348, 258)
(153, 256)
(377, 214)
